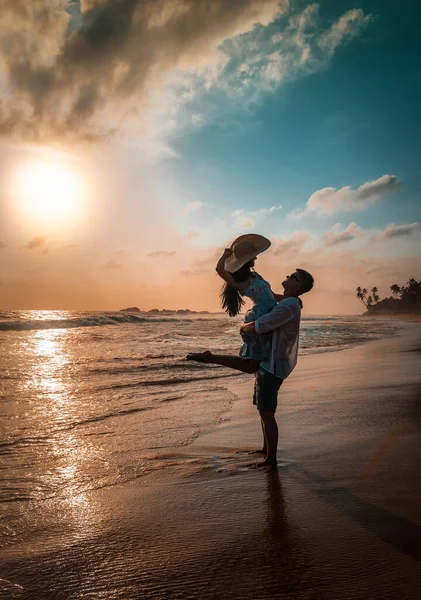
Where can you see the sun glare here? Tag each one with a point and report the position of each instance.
(48, 192)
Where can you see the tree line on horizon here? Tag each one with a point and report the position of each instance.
(405, 299)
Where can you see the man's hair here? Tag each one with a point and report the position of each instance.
(307, 281)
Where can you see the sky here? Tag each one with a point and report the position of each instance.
(139, 138)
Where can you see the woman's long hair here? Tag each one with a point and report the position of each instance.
(230, 296)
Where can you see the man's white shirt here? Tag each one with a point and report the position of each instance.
(284, 323)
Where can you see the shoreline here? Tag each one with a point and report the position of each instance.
(340, 518)
(394, 317)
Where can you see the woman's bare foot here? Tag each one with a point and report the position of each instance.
(203, 357)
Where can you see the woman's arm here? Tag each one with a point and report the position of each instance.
(225, 275)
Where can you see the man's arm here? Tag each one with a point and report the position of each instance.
(278, 316)
(247, 328)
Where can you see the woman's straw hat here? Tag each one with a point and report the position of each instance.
(245, 248)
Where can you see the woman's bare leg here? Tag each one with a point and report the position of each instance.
(238, 363)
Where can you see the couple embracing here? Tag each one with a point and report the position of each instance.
(270, 331)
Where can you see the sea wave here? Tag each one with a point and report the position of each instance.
(139, 368)
(5, 447)
(170, 381)
(91, 321)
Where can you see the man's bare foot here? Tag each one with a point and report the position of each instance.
(203, 357)
(268, 465)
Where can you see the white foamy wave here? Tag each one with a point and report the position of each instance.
(88, 321)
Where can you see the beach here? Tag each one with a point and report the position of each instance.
(339, 519)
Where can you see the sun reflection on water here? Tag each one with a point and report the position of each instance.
(66, 472)
(46, 315)
(48, 376)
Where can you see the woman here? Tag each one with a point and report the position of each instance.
(236, 268)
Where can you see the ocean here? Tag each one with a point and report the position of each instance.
(96, 399)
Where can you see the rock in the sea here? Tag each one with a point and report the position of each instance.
(131, 309)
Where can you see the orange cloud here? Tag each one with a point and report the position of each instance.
(112, 264)
(335, 236)
(247, 223)
(330, 200)
(161, 254)
(394, 231)
(35, 242)
(193, 206)
(294, 242)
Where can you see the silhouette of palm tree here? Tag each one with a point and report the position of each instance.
(395, 289)
(361, 295)
(374, 291)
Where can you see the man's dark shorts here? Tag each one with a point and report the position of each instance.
(266, 388)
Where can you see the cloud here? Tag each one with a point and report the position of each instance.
(398, 230)
(246, 219)
(69, 246)
(293, 243)
(69, 76)
(259, 62)
(2, 245)
(193, 234)
(344, 29)
(35, 242)
(244, 223)
(112, 264)
(216, 224)
(191, 206)
(330, 200)
(198, 119)
(60, 82)
(335, 236)
(161, 254)
(298, 213)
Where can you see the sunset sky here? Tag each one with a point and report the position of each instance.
(140, 137)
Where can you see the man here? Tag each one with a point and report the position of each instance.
(284, 323)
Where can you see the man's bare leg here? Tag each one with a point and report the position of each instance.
(245, 365)
(264, 449)
(271, 437)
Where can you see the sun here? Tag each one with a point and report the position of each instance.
(48, 192)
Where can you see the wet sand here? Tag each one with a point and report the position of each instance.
(339, 519)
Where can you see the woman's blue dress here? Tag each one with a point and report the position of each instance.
(259, 291)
